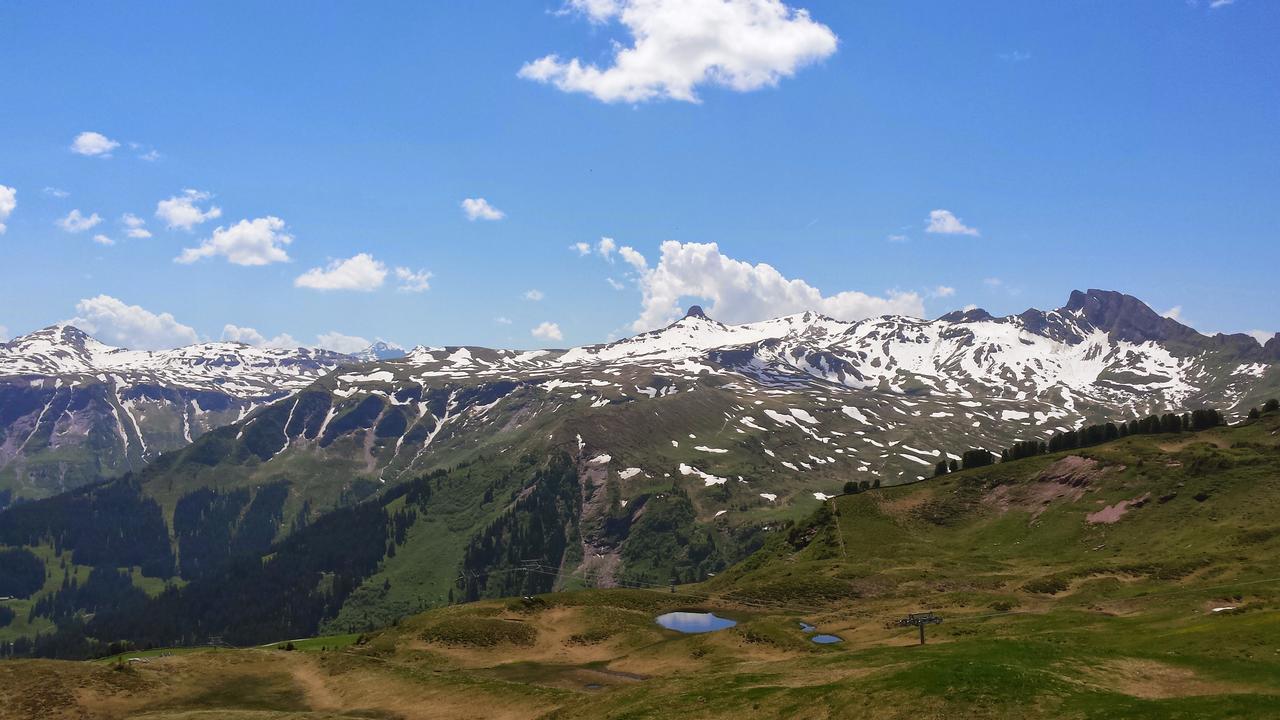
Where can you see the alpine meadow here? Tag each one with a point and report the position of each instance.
(640, 359)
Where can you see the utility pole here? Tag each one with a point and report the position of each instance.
(920, 620)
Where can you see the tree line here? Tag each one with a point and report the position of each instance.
(1087, 436)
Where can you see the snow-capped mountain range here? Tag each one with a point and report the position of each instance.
(812, 398)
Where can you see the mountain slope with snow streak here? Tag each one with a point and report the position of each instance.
(805, 400)
(73, 409)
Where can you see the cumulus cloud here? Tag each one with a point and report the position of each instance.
(117, 323)
(249, 242)
(633, 258)
(584, 249)
(547, 331)
(480, 209)
(678, 45)
(136, 226)
(75, 222)
(413, 281)
(534, 295)
(8, 201)
(93, 144)
(103, 240)
(359, 272)
(338, 342)
(605, 247)
(250, 336)
(943, 222)
(741, 292)
(181, 211)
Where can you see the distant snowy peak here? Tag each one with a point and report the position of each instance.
(65, 351)
(381, 350)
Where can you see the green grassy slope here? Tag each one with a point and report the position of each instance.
(1077, 585)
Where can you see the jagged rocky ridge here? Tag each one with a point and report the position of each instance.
(804, 397)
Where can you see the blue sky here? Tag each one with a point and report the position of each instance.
(1127, 146)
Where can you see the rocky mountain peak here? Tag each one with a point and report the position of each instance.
(1124, 317)
(967, 316)
(695, 311)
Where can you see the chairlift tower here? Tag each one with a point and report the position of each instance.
(920, 620)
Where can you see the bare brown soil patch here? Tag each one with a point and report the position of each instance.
(1112, 513)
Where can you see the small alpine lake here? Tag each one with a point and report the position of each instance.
(694, 622)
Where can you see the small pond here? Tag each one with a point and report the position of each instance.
(694, 622)
(806, 627)
(825, 639)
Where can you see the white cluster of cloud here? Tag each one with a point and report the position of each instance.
(943, 222)
(103, 240)
(358, 272)
(56, 192)
(8, 201)
(678, 45)
(480, 209)
(1262, 336)
(547, 331)
(250, 336)
(117, 323)
(135, 226)
(180, 211)
(75, 221)
(93, 144)
(249, 242)
(332, 340)
(364, 273)
(338, 342)
(740, 292)
(533, 295)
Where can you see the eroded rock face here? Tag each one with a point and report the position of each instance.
(1066, 480)
(1074, 471)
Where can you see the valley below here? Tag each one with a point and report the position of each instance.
(1134, 578)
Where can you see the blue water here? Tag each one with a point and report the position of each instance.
(691, 622)
(807, 627)
(826, 639)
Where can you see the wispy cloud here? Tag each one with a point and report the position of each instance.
(75, 222)
(93, 144)
(944, 222)
(480, 209)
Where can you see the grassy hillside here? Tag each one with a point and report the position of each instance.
(1138, 578)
